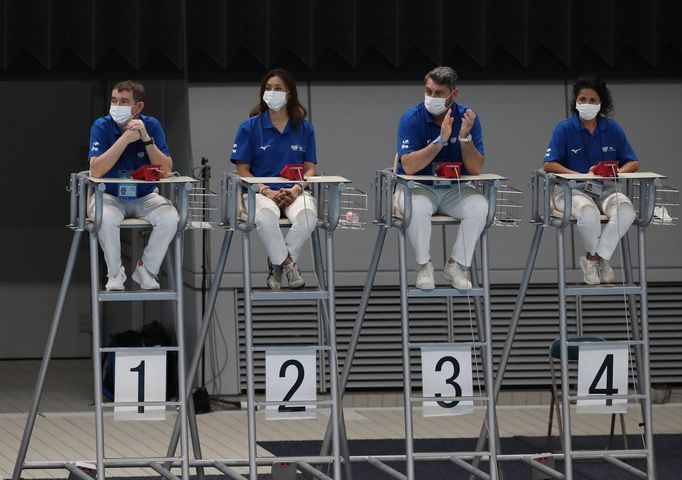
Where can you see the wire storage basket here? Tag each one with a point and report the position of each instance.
(354, 207)
(508, 207)
(666, 204)
(203, 209)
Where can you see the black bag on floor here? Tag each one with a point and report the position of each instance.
(151, 335)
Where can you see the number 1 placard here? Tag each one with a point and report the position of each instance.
(446, 372)
(602, 370)
(140, 377)
(290, 375)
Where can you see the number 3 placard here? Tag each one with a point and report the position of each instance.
(602, 370)
(446, 372)
(140, 377)
(290, 375)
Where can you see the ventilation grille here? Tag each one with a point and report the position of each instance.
(378, 361)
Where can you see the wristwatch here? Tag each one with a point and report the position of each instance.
(466, 139)
(439, 140)
(149, 142)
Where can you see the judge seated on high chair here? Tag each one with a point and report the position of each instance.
(275, 135)
(435, 131)
(578, 145)
(120, 143)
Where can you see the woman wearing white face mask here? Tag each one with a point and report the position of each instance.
(577, 145)
(277, 134)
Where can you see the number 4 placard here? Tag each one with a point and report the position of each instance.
(290, 375)
(140, 377)
(602, 370)
(446, 372)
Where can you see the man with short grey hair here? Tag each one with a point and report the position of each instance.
(441, 130)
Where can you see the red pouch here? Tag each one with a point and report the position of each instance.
(449, 169)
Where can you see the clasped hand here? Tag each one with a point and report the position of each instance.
(284, 196)
(135, 130)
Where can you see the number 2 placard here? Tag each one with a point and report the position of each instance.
(140, 377)
(289, 376)
(446, 372)
(602, 370)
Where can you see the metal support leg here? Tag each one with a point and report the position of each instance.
(194, 435)
(477, 302)
(248, 334)
(323, 319)
(516, 316)
(563, 335)
(203, 332)
(96, 363)
(334, 368)
(645, 373)
(407, 376)
(47, 356)
(487, 336)
(182, 361)
(634, 314)
(326, 328)
(357, 328)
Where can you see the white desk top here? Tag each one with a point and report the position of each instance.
(463, 178)
(627, 176)
(310, 179)
(171, 179)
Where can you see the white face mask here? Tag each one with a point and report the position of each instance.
(587, 111)
(121, 113)
(275, 100)
(435, 106)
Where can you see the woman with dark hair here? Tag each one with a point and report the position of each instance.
(577, 145)
(277, 134)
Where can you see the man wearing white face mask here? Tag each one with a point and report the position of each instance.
(120, 143)
(438, 130)
(577, 145)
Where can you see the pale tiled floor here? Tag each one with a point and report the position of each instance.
(65, 428)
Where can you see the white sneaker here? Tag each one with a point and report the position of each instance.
(457, 275)
(590, 271)
(606, 274)
(274, 281)
(145, 279)
(116, 282)
(425, 279)
(293, 276)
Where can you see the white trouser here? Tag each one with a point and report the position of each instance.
(459, 201)
(154, 208)
(302, 213)
(615, 205)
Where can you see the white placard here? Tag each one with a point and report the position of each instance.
(140, 376)
(289, 376)
(602, 370)
(447, 372)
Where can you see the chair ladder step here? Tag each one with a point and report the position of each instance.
(594, 290)
(445, 292)
(137, 296)
(141, 404)
(136, 349)
(276, 296)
